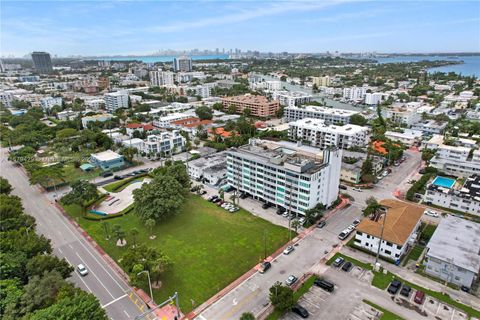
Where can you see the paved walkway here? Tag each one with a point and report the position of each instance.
(118, 201)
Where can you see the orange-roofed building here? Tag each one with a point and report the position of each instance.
(141, 127)
(400, 224)
(378, 147)
(191, 125)
(219, 131)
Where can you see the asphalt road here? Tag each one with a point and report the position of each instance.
(112, 291)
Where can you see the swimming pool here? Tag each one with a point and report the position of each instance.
(443, 182)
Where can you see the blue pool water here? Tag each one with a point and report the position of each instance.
(443, 182)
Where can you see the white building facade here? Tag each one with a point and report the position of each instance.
(161, 78)
(291, 98)
(166, 142)
(48, 102)
(284, 174)
(317, 133)
(116, 100)
(330, 115)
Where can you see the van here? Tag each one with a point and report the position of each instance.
(325, 285)
(419, 297)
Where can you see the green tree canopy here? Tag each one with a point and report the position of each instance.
(5, 186)
(281, 297)
(358, 120)
(204, 113)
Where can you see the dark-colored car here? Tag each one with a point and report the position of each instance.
(321, 224)
(347, 266)
(107, 174)
(203, 192)
(394, 286)
(216, 200)
(342, 187)
(422, 171)
(324, 284)
(219, 203)
(243, 196)
(419, 297)
(405, 291)
(301, 311)
(118, 177)
(281, 210)
(266, 205)
(211, 198)
(338, 262)
(265, 266)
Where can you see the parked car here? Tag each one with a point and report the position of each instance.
(324, 284)
(211, 198)
(419, 297)
(465, 289)
(347, 266)
(117, 177)
(291, 280)
(82, 270)
(338, 262)
(301, 311)
(216, 200)
(107, 174)
(343, 235)
(342, 187)
(357, 189)
(302, 220)
(265, 266)
(422, 171)
(405, 291)
(285, 214)
(356, 222)
(220, 203)
(243, 196)
(432, 213)
(288, 250)
(203, 192)
(321, 224)
(394, 286)
(266, 205)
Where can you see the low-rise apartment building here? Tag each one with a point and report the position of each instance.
(403, 113)
(430, 127)
(285, 174)
(400, 228)
(166, 121)
(212, 169)
(453, 252)
(456, 161)
(169, 142)
(464, 198)
(291, 98)
(330, 115)
(259, 105)
(107, 160)
(408, 137)
(317, 133)
(48, 102)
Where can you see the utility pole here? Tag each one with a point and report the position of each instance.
(381, 238)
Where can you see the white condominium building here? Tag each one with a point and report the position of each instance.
(403, 113)
(273, 85)
(48, 102)
(284, 174)
(116, 100)
(319, 134)
(291, 98)
(330, 115)
(354, 93)
(169, 142)
(456, 161)
(373, 99)
(161, 78)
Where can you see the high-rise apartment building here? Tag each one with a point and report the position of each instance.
(161, 78)
(182, 63)
(42, 62)
(285, 174)
(116, 100)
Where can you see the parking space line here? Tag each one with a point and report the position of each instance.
(126, 314)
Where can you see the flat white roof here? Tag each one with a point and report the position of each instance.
(320, 125)
(106, 155)
(457, 241)
(339, 112)
(408, 134)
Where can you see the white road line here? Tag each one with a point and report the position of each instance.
(126, 314)
(79, 276)
(60, 250)
(113, 301)
(202, 317)
(96, 277)
(71, 247)
(93, 256)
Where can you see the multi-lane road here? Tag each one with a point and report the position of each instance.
(112, 290)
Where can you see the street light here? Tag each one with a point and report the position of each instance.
(381, 238)
(149, 282)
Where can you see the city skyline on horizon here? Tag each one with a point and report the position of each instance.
(80, 28)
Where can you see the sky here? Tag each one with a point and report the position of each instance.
(89, 28)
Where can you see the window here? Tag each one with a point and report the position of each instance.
(388, 252)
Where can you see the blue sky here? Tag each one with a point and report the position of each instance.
(140, 27)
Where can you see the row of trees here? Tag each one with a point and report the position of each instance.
(32, 280)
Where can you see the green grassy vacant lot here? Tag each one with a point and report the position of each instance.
(209, 246)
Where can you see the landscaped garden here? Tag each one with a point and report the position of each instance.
(209, 247)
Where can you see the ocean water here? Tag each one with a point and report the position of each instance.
(153, 59)
(469, 67)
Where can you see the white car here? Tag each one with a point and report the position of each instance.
(302, 220)
(432, 213)
(82, 270)
(288, 250)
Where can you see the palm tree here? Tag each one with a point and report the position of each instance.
(134, 233)
(373, 209)
(149, 224)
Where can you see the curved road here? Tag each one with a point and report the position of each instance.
(114, 294)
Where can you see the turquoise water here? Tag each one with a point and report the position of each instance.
(153, 59)
(443, 182)
(469, 67)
